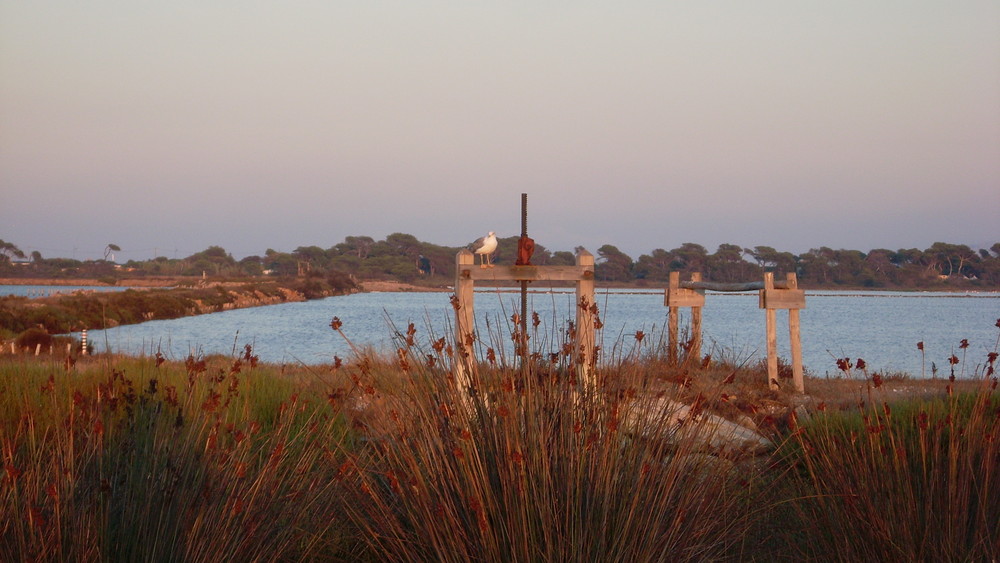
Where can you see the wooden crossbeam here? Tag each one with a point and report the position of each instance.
(528, 273)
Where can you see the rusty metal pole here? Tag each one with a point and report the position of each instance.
(524, 286)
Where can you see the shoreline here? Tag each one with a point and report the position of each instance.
(376, 286)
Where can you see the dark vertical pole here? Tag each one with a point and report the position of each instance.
(524, 283)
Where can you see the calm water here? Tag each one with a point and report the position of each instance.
(881, 327)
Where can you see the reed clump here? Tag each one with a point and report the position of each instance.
(901, 481)
(145, 460)
(533, 462)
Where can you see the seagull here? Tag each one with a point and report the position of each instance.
(484, 247)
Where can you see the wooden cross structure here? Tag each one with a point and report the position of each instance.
(773, 296)
(466, 276)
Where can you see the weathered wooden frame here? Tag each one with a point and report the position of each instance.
(466, 276)
(772, 296)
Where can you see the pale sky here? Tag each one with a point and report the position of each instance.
(168, 127)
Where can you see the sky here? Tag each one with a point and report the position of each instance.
(169, 127)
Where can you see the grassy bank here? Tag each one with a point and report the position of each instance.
(30, 322)
(383, 458)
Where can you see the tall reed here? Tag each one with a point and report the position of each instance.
(130, 460)
(911, 481)
(529, 464)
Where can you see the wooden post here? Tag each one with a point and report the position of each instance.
(585, 332)
(465, 319)
(678, 296)
(772, 335)
(792, 298)
(695, 351)
(672, 318)
(798, 379)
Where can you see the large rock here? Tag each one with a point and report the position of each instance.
(664, 419)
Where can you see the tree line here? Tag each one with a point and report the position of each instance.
(404, 258)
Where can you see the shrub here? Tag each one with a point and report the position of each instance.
(33, 337)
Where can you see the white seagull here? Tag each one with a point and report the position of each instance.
(484, 247)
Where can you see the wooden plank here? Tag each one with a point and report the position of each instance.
(782, 299)
(527, 273)
(684, 298)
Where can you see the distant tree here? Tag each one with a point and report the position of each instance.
(770, 259)
(215, 254)
(654, 266)
(880, 268)
(252, 265)
(689, 257)
(816, 266)
(214, 260)
(541, 256)
(311, 258)
(562, 258)
(403, 244)
(613, 264)
(357, 246)
(281, 263)
(847, 266)
(9, 251)
(111, 247)
(729, 265)
(951, 259)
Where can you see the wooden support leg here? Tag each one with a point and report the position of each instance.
(772, 337)
(464, 320)
(673, 321)
(586, 339)
(695, 352)
(798, 377)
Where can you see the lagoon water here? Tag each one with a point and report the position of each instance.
(883, 328)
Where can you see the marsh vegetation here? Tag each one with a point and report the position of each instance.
(380, 457)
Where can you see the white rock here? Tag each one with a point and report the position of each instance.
(665, 419)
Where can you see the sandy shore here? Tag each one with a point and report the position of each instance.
(381, 285)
